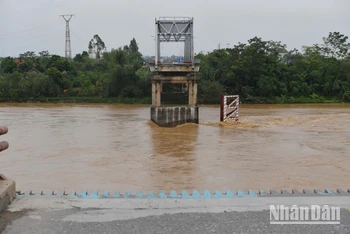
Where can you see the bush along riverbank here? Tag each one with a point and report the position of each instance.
(148, 100)
(259, 71)
(79, 100)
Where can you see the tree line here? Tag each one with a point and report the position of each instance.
(259, 71)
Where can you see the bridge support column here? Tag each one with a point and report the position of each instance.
(192, 93)
(156, 93)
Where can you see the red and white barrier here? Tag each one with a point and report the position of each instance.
(229, 108)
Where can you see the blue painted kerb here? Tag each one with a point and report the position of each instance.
(140, 194)
(183, 194)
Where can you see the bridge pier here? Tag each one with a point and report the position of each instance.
(156, 93)
(192, 93)
(171, 116)
(174, 115)
(184, 72)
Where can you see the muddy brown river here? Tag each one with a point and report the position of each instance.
(116, 147)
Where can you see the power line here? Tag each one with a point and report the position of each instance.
(30, 35)
(24, 31)
(79, 37)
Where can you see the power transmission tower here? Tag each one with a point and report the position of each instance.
(68, 46)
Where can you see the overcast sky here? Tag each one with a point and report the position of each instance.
(35, 25)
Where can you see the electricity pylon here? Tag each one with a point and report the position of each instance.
(68, 50)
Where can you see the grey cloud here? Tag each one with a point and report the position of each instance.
(36, 25)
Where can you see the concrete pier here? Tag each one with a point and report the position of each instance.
(184, 71)
(174, 115)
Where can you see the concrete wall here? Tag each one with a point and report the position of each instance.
(7, 193)
(175, 115)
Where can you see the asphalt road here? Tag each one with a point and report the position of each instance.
(227, 222)
(131, 216)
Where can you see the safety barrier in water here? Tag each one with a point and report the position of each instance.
(229, 108)
(183, 194)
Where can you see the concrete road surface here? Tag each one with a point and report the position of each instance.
(237, 215)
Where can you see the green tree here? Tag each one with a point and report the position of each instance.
(336, 45)
(8, 65)
(57, 77)
(133, 47)
(28, 56)
(96, 46)
(26, 66)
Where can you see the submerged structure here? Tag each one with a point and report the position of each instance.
(174, 29)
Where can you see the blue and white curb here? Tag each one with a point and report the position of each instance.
(140, 194)
(184, 194)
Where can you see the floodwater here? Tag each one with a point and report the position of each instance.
(116, 147)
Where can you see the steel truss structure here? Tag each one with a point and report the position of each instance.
(175, 29)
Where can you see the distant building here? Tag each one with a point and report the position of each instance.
(21, 61)
(282, 52)
(34, 70)
(282, 55)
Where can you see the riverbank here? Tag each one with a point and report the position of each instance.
(291, 100)
(148, 100)
(79, 100)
